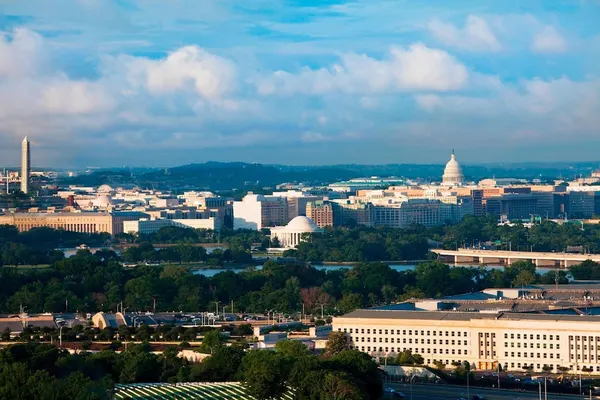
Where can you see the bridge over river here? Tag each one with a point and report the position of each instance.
(563, 260)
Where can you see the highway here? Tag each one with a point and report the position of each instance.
(448, 392)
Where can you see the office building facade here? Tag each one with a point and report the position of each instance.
(483, 340)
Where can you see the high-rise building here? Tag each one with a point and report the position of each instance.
(25, 165)
(257, 211)
(320, 212)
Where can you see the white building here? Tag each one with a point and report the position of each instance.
(514, 340)
(148, 226)
(257, 211)
(293, 233)
(453, 172)
(403, 212)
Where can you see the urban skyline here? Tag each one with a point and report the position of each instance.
(262, 199)
(396, 84)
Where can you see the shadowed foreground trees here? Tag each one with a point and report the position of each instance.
(41, 371)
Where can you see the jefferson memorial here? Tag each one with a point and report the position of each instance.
(292, 234)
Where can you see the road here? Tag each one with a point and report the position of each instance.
(448, 392)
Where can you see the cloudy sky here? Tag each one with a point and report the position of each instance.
(163, 83)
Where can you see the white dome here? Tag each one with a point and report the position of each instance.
(105, 189)
(303, 224)
(453, 172)
(103, 201)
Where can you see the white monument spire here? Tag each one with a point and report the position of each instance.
(25, 165)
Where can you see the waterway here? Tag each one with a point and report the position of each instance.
(332, 267)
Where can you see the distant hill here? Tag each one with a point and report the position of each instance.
(238, 175)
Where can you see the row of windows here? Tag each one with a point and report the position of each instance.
(552, 366)
(410, 341)
(584, 338)
(531, 336)
(531, 345)
(531, 355)
(585, 357)
(410, 332)
(398, 350)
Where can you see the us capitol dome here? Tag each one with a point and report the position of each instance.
(453, 172)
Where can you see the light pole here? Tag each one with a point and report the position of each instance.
(545, 388)
(540, 389)
(60, 336)
(468, 388)
(411, 384)
(498, 368)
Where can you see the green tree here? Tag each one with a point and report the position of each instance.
(336, 343)
(223, 365)
(211, 341)
(264, 374)
(350, 302)
(292, 349)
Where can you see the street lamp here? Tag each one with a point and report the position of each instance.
(468, 377)
(411, 386)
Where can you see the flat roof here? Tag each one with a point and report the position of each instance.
(466, 316)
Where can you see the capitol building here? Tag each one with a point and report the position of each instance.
(453, 174)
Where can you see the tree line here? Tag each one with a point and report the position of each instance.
(90, 282)
(44, 372)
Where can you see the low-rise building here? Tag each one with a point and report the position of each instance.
(514, 340)
(148, 226)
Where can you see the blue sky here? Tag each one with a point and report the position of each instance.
(162, 83)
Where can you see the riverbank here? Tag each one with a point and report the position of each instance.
(352, 263)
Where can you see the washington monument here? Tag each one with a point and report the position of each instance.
(25, 165)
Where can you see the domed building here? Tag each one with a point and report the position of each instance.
(102, 202)
(292, 234)
(453, 172)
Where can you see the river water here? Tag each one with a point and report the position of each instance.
(331, 267)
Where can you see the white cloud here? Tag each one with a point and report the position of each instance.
(548, 40)
(314, 137)
(428, 102)
(63, 96)
(20, 53)
(30, 86)
(188, 67)
(415, 68)
(559, 105)
(475, 36)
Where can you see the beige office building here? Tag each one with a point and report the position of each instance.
(87, 222)
(512, 339)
